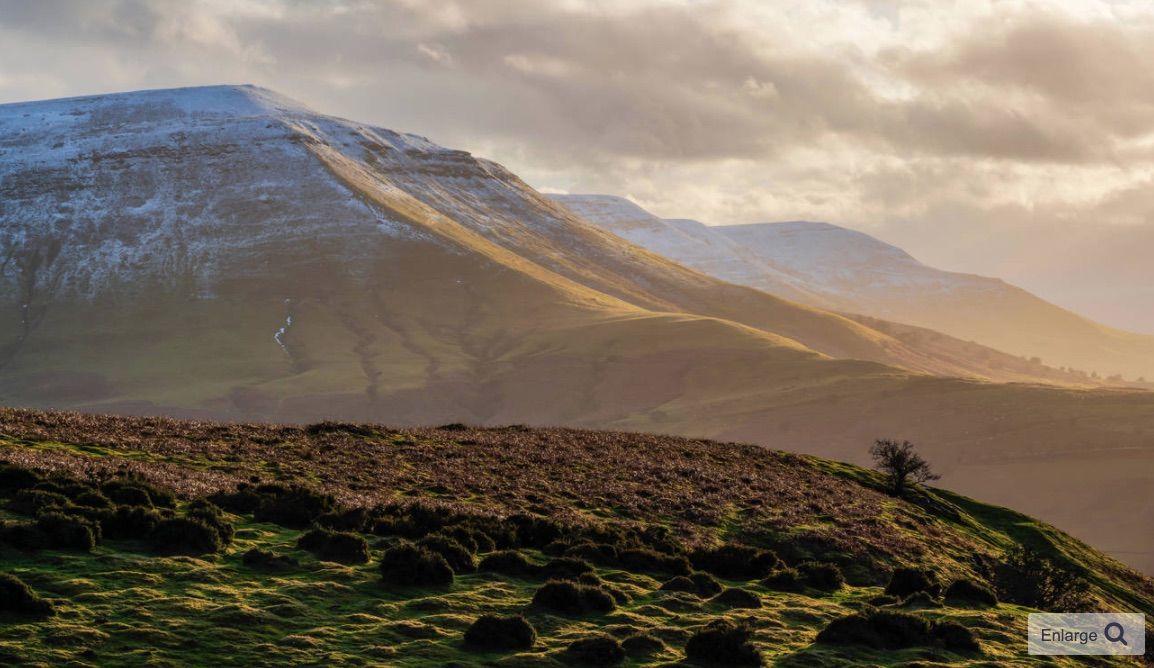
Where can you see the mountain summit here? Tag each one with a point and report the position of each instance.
(224, 252)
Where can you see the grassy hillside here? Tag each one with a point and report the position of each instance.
(610, 519)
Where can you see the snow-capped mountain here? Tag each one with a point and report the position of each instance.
(848, 271)
(226, 252)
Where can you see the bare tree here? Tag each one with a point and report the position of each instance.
(901, 465)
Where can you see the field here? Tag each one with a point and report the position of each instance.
(619, 514)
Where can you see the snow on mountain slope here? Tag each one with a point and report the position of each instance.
(844, 270)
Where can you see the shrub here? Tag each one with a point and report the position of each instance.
(723, 643)
(243, 501)
(906, 581)
(596, 651)
(186, 536)
(508, 562)
(571, 598)
(734, 597)
(68, 532)
(472, 539)
(459, 558)
(355, 519)
(406, 564)
(92, 499)
(642, 645)
(823, 576)
(881, 629)
(130, 523)
(884, 599)
(565, 568)
(17, 598)
(533, 531)
(32, 501)
(210, 514)
(344, 547)
(128, 495)
(293, 507)
(15, 478)
(736, 562)
(954, 636)
(961, 593)
(707, 585)
(493, 633)
(265, 560)
(129, 489)
(1029, 578)
(650, 561)
(785, 579)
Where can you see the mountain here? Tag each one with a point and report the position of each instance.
(223, 252)
(848, 271)
(248, 580)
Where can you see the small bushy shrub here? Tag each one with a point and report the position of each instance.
(494, 633)
(344, 547)
(920, 599)
(880, 629)
(736, 562)
(595, 651)
(92, 499)
(533, 531)
(963, 593)
(23, 536)
(598, 553)
(68, 532)
(134, 522)
(887, 630)
(354, 519)
(571, 598)
(707, 585)
(406, 564)
(293, 507)
(680, 583)
(565, 568)
(735, 597)
(185, 536)
(32, 501)
(15, 478)
(906, 581)
(259, 559)
(208, 512)
(723, 643)
(1029, 578)
(473, 539)
(785, 579)
(243, 501)
(458, 557)
(17, 598)
(822, 576)
(508, 562)
(128, 495)
(953, 636)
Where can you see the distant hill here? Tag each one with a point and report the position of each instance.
(844, 270)
(643, 553)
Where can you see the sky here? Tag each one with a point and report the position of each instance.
(1002, 137)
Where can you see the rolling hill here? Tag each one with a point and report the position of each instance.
(595, 556)
(843, 270)
(223, 252)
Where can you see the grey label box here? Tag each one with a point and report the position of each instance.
(1087, 633)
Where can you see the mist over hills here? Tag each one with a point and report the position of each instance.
(844, 270)
(224, 252)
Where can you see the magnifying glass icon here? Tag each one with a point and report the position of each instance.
(1118, 635)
